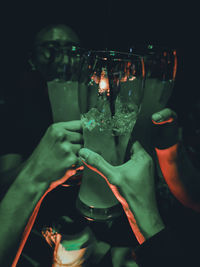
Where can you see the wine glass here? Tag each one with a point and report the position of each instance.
(160, 73)
(110, 92)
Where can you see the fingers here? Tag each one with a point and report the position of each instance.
(71, 160)
(69, 148)
(75, 148)
(71, 125)
(98, 162)
(59, 132)
(164, 115)
(74, 137)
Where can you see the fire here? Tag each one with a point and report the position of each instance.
(104, 83)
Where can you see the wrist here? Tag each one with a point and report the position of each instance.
(146, 214)
(149, 222)
(30, 179)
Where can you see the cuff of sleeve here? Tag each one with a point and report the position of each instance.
(166, 134)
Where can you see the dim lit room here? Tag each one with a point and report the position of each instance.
(100, 134)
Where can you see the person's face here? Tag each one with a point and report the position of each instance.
(55, 53)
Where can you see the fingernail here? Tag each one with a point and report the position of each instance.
(157, 117)
(82, 159)
(84, 154)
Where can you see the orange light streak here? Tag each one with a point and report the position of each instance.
(175, 65)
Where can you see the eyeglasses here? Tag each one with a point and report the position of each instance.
(54, 50)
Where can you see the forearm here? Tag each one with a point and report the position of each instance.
(149, 222)
(146, 215)
(8, 177)
(180, 175)
(15, 210)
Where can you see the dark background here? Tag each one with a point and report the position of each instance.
(100, 24)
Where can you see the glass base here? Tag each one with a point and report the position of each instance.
(98, 214)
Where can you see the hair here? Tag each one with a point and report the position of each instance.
(50, 27)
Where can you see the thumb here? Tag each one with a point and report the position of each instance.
(137, 149)
(164, 116)
(97, 163)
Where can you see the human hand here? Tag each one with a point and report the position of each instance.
(165, 130)
(133, 185)
(56, 152)
(172, 158)
(164, 115)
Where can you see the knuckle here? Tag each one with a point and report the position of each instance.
(56, 131)
(94, 159)
(52, 128)
(72, 159)
(59, 135)
(66, 147)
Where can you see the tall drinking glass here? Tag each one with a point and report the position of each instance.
(110, 95)
(63, 87)
(63, 83)
(160, 73)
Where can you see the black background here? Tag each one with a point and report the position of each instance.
(106, 24)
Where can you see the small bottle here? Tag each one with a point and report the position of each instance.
(72, 246)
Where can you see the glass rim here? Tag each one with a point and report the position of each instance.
(113, 54)
(150, 49)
